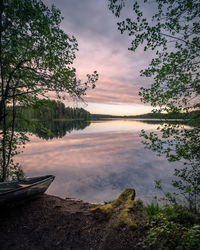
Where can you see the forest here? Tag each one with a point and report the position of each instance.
(191, 118)
(45, 109)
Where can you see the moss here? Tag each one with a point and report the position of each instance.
(127, 194)
(126, 203)
(107, 209)
(125, 218)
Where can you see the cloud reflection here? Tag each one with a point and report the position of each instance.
(97, 166)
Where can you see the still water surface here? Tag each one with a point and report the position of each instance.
(98, 162)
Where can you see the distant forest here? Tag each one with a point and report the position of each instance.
(56, 110)
(193, 116)
(51, 110)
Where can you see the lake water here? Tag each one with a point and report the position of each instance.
(97, 163)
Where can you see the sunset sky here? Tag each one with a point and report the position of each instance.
(103, 48)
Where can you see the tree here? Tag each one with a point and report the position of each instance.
(173, 32)
(36, 58)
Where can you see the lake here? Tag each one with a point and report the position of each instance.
(97, 162)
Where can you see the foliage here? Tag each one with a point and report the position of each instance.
(172, 32)
(12, 142)
(36, 55)
(165, 234)
(173, 228)
(152, 209)
(180, 214)
(180, 145)
(36, 58)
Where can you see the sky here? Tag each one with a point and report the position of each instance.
(103, 48)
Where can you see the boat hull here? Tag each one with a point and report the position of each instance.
(24, 189)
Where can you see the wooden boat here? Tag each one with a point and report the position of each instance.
(24, 189)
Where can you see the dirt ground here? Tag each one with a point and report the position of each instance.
(50, 222)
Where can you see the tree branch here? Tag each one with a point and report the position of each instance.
(178, 38)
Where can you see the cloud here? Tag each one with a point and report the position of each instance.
(103, 48)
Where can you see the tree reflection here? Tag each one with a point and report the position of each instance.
(51, 128)
(14, 135)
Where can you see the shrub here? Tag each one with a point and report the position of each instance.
(172, 228)
(152, 209)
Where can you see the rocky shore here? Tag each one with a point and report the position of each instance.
(50, 222)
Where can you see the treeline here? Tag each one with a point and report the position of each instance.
(189, 115)
(193, 115)
(100, 116)
(51, 110)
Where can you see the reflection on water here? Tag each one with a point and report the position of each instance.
(51, 128)
(119, 125)
(95, 164)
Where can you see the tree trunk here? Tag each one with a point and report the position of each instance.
(1, 65)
